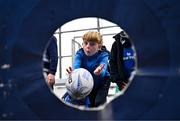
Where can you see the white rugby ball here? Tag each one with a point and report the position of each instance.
(80, 83)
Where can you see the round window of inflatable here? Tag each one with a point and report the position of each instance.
(113, 53)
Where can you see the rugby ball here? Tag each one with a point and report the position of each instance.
(80, 83)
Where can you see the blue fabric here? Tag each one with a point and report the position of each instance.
(68, 99)
(91, 63)
(129, 60)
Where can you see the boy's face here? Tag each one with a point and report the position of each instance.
(90, 47)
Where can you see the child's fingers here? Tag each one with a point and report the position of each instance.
(98, 69)
(101, 66)
(69, 70)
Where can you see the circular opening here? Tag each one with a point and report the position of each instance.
(67, 40)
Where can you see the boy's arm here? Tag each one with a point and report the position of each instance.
(98, 70)
(76, 63)
(77, 60)
(102, 68)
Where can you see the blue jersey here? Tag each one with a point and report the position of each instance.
(129, 60)
(91, 63)
(84, 102)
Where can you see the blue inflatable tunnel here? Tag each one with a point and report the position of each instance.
(153, 25)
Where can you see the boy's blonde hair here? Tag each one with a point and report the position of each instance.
(93, 36)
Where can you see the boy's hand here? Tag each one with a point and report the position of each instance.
(121, 85)
(69, 70)
(98, 70)
(51, 79)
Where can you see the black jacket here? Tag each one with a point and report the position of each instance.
(117, 68)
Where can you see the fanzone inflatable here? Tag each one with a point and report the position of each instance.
(153, 25)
